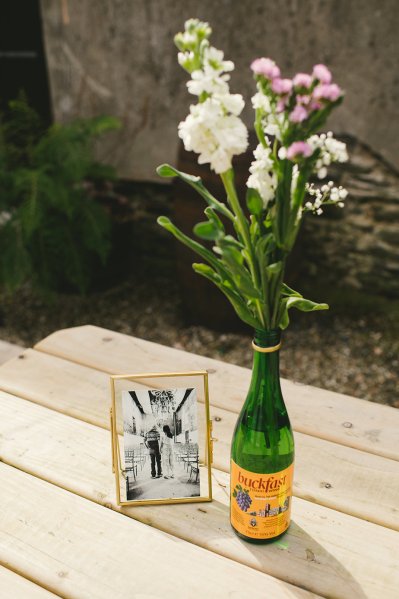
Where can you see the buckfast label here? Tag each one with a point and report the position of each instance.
(260, 504)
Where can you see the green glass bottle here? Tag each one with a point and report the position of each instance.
(262, 451)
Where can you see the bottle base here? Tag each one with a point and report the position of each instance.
(258, 541)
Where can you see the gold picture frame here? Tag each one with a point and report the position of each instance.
(127, 386)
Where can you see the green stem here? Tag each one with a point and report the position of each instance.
(242, 224)
(277, 296)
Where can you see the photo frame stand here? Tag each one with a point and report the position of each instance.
(115, 414)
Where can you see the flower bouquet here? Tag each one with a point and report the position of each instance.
(247, 261)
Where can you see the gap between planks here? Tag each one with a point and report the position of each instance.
(13, 585)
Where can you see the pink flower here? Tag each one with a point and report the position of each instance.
(299, 149)
(302, 80)
(327, 92)
(321, 73)
(315, 106)
(265, 67)
(304, 100)
(299, 114)
(281, 86)
(281, 104)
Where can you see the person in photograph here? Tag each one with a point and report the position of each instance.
(151, 441)
(167, 452)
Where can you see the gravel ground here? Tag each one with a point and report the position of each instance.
(356, 355)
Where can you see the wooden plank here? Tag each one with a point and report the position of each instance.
(9, 351)
(332, 416)
(81, 550)
(13, 586)
(323, 468)
(327, 552)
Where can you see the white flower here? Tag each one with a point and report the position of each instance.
(322, 172)
(194, 31)
(262, 177)
(282, 153)
(331, 150)
(294, 178)
(334, 195)
(327, 194)
(336, 149)
(233, 103)
(208, 81)
(209, 78)
(185, 59)
(273, 125)
(213, 59)
(259, 100)
(213, 134)
(5, 216)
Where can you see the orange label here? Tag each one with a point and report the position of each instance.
(260, 504)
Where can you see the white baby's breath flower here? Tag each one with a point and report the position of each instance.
(326, 194)
(331, 150)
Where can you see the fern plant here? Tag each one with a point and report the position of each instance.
(52, 231)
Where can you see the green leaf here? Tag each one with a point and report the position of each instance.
(232, 241)
(241, 276)
(305, 305)
(199, 249)
(274, 269)
(207, 231)
(213, 217)
(285, 290)
(165, 170)
(300, 303)
(238, 302)
(254, 202)
(232, 254)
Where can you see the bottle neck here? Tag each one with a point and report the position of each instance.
(266, 365)
(267, 361)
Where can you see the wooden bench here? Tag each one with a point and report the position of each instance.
(62, 533)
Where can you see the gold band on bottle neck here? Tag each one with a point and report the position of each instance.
(265, 350)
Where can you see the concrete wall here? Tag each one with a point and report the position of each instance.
(117, 57)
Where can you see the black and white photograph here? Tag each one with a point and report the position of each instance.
(160, 444)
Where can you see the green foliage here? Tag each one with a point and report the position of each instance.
(52, 231)
(248, 268)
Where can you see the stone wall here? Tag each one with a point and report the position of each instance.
(357, 247)
(118, 57)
